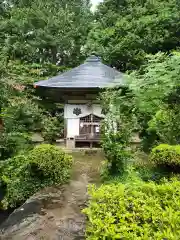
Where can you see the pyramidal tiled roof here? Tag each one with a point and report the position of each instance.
(91, 74)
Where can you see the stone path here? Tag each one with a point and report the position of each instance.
(55, 213)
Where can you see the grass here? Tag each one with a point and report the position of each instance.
(140, 169)
(89, 163)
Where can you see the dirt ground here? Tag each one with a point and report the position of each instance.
(58, 214)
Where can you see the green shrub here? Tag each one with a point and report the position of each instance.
(166, 125)
(134, 211)
(13, 142)
(147, 171)
(22, 115)
(167, 156)
(116, 153)
(26, 173)
(53, 128)
(53, 162)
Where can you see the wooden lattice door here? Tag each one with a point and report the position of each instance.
(90, 126)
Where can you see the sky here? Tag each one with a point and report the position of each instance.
(94, 3)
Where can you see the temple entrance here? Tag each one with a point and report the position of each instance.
(89, 130)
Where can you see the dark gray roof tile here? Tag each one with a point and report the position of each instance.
(91, 74)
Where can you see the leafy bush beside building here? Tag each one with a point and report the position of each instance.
(53, 127)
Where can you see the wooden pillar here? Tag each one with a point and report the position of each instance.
(65, 128)
(91, 134)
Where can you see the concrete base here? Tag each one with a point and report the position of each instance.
(70, 143)
(83, 150)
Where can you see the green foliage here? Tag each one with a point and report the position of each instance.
(147, 171)
(27, 73)
(116, 153)
(11, 143)
(151, 105)
(134, 211)
(138, 170)
(52, 161)
(53, 128)
(154, 87)
(4, 93)
(155, 81)
(30, 34)
(38, 39)
(20, 117)
(17, 181)
(167, 156)
(5, 88)
(28, 172)
(166, 125)
(21, 114)
(117, 129)
(125, 31)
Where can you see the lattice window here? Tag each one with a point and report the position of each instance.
(96, 119)
(86, 119)
(90, 118)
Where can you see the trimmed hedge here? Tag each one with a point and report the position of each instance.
(26, 173)
(51, 162)
(137, 211)
(166, 155)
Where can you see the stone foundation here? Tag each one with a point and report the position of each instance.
(70, 143)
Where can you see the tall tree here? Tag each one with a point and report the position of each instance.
(45, 31)
(126, 30)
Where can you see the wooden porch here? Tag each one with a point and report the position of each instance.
(88, 137)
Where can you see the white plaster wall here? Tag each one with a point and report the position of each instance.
(72, 127)
(85, 110)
